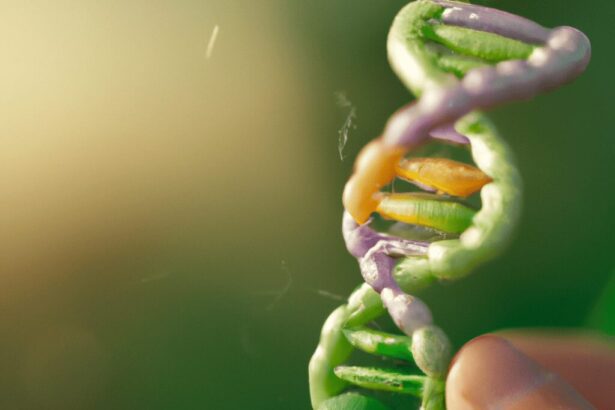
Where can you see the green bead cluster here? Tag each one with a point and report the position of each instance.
(345, 329)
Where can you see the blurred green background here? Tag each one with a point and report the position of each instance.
(170, 223)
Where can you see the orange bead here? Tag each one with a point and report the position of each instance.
(452, 177)
(359, 200)
(374, 168)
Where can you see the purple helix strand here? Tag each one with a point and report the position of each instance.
(493, 21)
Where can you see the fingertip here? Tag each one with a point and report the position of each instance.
(584, 359)
(489, 372)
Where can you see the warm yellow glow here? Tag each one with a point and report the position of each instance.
(117, 131)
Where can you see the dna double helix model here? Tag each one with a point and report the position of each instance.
(459, 209)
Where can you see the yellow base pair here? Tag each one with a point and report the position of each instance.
(378, 165)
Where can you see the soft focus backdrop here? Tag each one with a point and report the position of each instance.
(169, 222)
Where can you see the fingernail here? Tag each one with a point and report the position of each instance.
(489, 373)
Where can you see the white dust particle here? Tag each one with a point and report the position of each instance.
(344, 131)
(212, 42)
